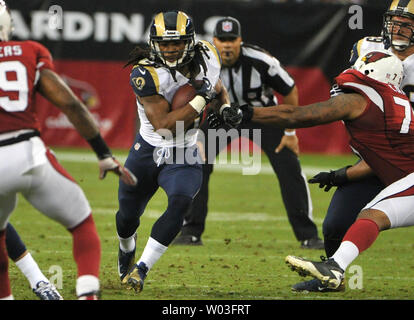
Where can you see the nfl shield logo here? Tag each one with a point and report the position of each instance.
(227, 26)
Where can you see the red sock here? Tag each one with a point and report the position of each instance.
(5, 289)
(86, 248)
(362, 233)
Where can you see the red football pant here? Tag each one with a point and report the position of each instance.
(86, 248)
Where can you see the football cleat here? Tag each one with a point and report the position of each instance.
(46, 291)
(94, 295)
(135, 278)
(187, 240)
(314, 243)
(327, 271)
(315, 285)
(125, 261)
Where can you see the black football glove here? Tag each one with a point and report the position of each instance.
(214, 120)
(232, 116)
(330, 179)
(235, 114)
(206, 90)
(227, 115)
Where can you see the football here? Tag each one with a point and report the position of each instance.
(184, 95)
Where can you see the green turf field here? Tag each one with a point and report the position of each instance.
(246, 240)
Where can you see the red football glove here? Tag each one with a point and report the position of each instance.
(111, 164)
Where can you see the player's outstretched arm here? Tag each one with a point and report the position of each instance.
(289, 139)
(342, 107)
(53, 88)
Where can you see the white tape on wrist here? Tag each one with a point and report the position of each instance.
(224, 106)
(290, 133)
(198, 103)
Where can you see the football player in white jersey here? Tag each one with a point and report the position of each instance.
(165, 152)
(397, 37)
(350, 197)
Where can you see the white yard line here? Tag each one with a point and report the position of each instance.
(265, 168)
(212, 215)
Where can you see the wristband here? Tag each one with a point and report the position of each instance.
(290, 133)
(100, 147)
(198, 103)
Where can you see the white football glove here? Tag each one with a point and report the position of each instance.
(111, 164)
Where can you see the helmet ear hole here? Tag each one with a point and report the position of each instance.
(366, 72)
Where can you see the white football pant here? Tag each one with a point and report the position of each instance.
(397, 202)
(30, 168)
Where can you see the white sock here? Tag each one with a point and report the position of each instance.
(346, 253)
(127, 244)
(86, 284)
(30, 269)
(8, 298)
(152, 252)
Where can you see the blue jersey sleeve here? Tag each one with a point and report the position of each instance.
(144, 81)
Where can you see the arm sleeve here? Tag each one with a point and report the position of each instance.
(278, 78)
(44, 58)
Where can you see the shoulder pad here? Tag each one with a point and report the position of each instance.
(144, 80)
(355, 52)
(210, 47)
(362, 45)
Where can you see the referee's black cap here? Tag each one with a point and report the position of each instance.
(227, 27)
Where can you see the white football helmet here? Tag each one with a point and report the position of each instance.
(6, 26)
(382, 66)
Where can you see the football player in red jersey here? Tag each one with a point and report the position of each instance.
(378, 117)
(31, 169)
(351, 196)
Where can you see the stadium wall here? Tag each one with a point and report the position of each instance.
(90, 41)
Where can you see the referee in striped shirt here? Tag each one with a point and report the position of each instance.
(251, 75)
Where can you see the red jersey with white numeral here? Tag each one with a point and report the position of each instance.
(20, 65)
(384, 134)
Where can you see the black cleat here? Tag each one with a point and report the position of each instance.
(314, 243)
(187, 240)
(315, 285)
(135, 278)
(327, 271)
(125, 261)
